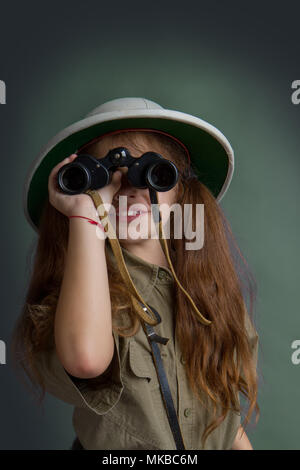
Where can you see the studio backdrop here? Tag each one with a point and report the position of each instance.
(236, 67)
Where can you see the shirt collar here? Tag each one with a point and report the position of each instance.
(144, 275)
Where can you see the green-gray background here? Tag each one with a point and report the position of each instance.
(231, 64)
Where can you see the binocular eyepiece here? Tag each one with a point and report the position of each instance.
(150, 170)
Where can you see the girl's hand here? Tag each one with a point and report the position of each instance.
(79, 204)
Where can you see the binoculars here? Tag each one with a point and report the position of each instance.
(87, 172)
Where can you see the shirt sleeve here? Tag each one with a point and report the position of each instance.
(98, 394)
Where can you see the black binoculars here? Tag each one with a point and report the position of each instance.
(87, 172)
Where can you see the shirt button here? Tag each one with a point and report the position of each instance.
(187, 412)
(182, 360)
(161, 275)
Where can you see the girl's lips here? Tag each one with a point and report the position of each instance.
(129, 218)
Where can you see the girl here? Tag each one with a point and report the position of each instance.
(80, 337)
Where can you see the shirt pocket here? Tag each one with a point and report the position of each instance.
(139, 374)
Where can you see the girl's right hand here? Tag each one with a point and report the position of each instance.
(79, 204)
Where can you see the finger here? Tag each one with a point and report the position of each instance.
(63, 162)
(117, 175)
(55, 170)
(117, 180)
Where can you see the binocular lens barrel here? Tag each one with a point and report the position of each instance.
(150, 170)
(74, 179)
(162, 176)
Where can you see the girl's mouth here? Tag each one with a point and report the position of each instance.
(131, 215)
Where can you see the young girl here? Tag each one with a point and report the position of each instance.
(80, 337)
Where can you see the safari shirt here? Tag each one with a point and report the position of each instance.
(123, 408)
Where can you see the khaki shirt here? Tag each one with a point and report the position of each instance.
(123, 408)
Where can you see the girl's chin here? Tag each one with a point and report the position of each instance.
(129, 236)
(131, 241)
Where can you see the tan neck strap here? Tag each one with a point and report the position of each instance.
(116, 248)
